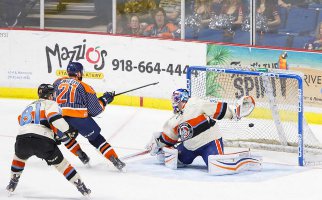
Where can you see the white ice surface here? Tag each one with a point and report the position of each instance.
(128, 129)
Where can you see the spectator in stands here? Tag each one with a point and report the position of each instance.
(234, 9)
(318, 35)
(284, 4)
(14, 12)
(217, 6)
(160, 27)
(316, 42)
(268, 9)
(134, 28)
(246, 7)
(204, 8)
(142, 8)
(189, 7)
(295, 3)
(172, 9)
(121, 24)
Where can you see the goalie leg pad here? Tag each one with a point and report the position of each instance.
(234, 163)
(160, 157)
(170, 157)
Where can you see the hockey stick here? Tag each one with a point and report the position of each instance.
(141, 153)
(136, 88)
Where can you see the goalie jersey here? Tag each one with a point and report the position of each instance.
(76, 98)
(196, 124)
(42, 117)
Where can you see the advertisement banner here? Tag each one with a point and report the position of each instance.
(312, 85)
(118, 63)
(306, 62)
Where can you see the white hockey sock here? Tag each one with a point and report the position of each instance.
(17, 166)
(68, 171)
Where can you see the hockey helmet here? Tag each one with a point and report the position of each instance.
(45, 90)
(179, 95)
(74, 67)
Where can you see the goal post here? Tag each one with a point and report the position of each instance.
(277, 122)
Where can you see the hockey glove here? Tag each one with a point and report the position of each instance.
(71, 133)
(155, 146)
(107, 98)
(57, 140)
(244, 107)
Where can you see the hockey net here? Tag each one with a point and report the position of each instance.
(277, 122)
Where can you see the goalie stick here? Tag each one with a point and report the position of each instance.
(140, 153)
(133, 155)
(143, 152)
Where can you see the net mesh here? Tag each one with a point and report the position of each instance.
(274, 121)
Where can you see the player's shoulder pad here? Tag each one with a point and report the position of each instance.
(50, 103)
(193, 101)
(88, 88)
(61, 78)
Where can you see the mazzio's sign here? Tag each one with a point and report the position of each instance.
(79, 52)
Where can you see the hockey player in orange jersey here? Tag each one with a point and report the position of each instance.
(192, 131)
(36, 137)
(80, 104)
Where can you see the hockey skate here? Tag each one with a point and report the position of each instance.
(82, 188)
(118, 163)
(13, 183)
(83, 157)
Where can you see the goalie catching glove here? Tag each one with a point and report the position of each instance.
(155, 145)
(107, 98)
(244, 107)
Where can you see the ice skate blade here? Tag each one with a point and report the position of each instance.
(9, 193)
(88, 165)
(87, 196)
(123, 170)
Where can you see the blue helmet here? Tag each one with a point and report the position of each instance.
(74, 67)
(178, 96)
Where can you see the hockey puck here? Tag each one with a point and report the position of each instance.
(251, 125)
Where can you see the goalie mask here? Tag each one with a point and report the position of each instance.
(179, 95)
